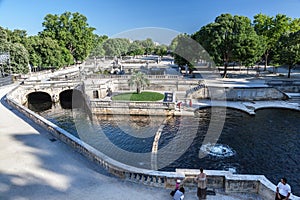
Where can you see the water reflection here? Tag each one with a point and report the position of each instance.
(267, 143)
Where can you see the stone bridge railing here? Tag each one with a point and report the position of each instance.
(129, 107)
(53, 88)
(127, 77)
(285, 85)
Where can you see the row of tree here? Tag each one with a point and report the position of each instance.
(67, 39)
(123, 46)
(236, 39)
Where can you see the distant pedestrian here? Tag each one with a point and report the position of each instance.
(179, 194)
(283, 190)
(201, 184)
(177, 186)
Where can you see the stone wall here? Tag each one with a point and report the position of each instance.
(157, 82)
(132, 108)
(238, 94)
(6, 80)
(285, 85)
(233, 183)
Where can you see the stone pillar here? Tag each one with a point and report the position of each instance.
(55, 98)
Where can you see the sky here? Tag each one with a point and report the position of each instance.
(112, 17)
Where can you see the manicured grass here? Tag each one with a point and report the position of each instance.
(143, 96)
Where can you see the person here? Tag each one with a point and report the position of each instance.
(283, 190)
(179, 194)
(177, 184)
(201, 180)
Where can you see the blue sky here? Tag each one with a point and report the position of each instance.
(111, 17)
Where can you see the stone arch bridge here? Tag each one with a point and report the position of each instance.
(52, 88)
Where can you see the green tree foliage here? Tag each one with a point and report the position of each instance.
(72, 31)
(148, 45)
(174, 43)
(18, 61)
(17, 36)
(18, 58)
(161, 50)
(289, 50)
(230, 38)
(186, 52)
(31, 45)
(116, 46)
(3, 35)
(97, 50)
(272, 28)
(47, 53)
(135, 48)
(139, 80)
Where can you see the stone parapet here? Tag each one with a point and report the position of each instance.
(132, 108)
(285, 85)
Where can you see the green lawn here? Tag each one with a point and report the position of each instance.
(143, 96)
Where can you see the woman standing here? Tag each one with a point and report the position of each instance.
(201, 180)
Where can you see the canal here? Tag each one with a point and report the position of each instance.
(267, 143)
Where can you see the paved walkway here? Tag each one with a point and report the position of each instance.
(34, 166)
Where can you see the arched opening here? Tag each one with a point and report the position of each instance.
(39, 101)
(95, 94)
(71, 99)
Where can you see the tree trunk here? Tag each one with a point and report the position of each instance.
(138, 90)
(289, 73)
(266, 60)
(225, 69)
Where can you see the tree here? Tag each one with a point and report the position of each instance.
(18, 58)
(186, 52)
(161, 50)
(174, 43)
(97, 50)
(116, 46)
(135, 48)
(289, 50)
(72, 31)
(17, 36)
(18, 55)
(271, 29)
(139, 80)
(47, 53)
(248, 46)
(3, 35)
(148, 45)
(230, 39)
(31, 45)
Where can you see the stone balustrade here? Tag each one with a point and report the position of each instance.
(285, 85)
(134, 108)
(127, 77)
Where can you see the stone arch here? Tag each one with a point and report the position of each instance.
(38, 95)
(71, 98)
(39, 100)
(65, 98)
